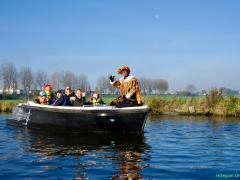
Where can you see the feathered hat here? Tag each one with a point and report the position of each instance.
(119, 70)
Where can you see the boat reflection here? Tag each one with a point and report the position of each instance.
(125, 152)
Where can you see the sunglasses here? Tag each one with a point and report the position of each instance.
(68, 89)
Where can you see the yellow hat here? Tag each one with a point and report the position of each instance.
(119, 70)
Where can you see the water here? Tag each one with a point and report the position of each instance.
(171, 147)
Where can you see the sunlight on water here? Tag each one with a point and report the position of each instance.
(171, 147)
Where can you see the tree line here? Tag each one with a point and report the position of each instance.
(25, 77)
(147, 85)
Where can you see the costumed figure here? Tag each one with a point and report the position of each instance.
(129, 89)
(42, 99)
(48, 91)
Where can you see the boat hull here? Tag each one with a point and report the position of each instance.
(108, 118)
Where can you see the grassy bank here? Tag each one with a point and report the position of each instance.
(214, 103)
(8, 105)
(211, 104)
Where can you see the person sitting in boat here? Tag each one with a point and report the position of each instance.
(42, 98)
(80, 98)
(97, 100)
(129, 89)
(70, 93)
(48, 91)
(62, 99)
(91, 98)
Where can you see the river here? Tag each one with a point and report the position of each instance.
(171, 147)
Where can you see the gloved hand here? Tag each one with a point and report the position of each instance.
(111, 77)
(124, 98)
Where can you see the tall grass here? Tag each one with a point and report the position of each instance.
(8, 105)
(214, 103)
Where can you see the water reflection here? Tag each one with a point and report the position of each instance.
(126, 151)
(228, 119)
(216, 122)
(176, 147)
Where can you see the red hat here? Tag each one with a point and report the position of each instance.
(119, 70)
(47, 86)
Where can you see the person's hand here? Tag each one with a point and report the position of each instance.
(72, 98)
(111, 77)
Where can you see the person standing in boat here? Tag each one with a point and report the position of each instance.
(62, 99)
(129, 88)
(79, 99)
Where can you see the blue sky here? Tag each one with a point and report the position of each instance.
(182, 41)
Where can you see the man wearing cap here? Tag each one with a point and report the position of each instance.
(129, 88)
(62, 100)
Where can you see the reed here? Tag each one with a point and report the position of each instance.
(214, 103)
(8, 105)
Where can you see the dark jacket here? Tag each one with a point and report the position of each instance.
(71, 94)
(63, 101)
(79, 102)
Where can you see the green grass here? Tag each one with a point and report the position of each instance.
(214, 103)
(7, 105)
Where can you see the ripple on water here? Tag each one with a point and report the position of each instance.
(171, 147)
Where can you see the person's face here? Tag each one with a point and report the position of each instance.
(79, 94)
(48, 88)
(124, 73)
(68, 89)
(59, 94)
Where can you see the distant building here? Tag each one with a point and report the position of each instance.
(10, 91)
(234, 92)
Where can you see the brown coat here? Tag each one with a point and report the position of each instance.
(129, 87)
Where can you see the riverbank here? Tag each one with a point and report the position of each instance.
(8, 105)
(214, 103)
(211, 104)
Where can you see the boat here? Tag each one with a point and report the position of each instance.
(89, 118)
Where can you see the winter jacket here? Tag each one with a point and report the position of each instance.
(79, 101)
(63, 101)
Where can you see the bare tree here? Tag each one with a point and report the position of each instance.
(110, 88)
(190, 88)
(56, 80)
(41, 78)
(4, 90)
(143, 83)
(160, 85)
(150, 85)
(102, 84)
(35, 90)
(82, 82)
(9, 74)
(69, 79)
(26, 77)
